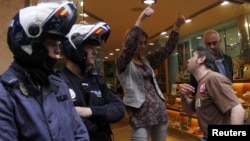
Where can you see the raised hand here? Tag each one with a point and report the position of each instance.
(180, 20)
(147, 12)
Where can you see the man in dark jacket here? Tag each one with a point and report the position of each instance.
(94, 101)
(223, 63)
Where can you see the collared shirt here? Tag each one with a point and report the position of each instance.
(219, 64)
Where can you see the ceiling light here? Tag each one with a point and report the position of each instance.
(148, 1)
(224, 3)
(83, 15)
(188, 20)
(81, 3)
(163, 32)
(151, 44)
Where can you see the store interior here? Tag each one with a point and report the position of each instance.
(232, 21)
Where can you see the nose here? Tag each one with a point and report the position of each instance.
(95, 51)
(58, 45)
(211, 44)
(211, 47)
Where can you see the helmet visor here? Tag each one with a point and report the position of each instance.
(61, 20)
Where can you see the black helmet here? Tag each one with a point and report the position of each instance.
(31, 25)
(80, 34)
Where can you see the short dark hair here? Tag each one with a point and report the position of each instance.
(208, 53)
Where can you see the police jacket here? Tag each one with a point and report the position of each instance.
(23, 117)
(92, 91)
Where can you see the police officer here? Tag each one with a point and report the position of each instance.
(95, 102)
(35, 104)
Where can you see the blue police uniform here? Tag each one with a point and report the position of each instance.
(28, 113)
(92, 91)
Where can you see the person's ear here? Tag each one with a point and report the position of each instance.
(201, 59)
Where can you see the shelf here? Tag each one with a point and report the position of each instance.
(181, 82)
(187, 134)
(178, 120)
(175, 108)
(234, 81)
(245, 105)
(184, 114)
(241, 81)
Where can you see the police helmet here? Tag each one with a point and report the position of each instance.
(80, 34)
(31, 25)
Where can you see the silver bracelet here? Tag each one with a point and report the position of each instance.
(176, 28)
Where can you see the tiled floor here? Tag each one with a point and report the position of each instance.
(121, 132)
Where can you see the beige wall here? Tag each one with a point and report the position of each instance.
(8, 8)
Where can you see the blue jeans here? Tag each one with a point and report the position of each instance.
(156, 133)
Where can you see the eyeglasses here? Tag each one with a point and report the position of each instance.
(212, 43)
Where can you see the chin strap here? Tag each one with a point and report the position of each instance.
(41, 72)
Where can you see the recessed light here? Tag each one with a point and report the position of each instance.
(224, 3)
(83, 15)
(164, 33)
(148, 1)
(81, 3)
(188, 20)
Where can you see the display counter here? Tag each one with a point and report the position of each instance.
(186, 125)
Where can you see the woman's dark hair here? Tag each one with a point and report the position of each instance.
(143, 33)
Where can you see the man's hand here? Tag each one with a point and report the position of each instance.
(187, 89)
(84, 111)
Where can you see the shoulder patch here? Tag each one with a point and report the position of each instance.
(72, 94)
(23, 89)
